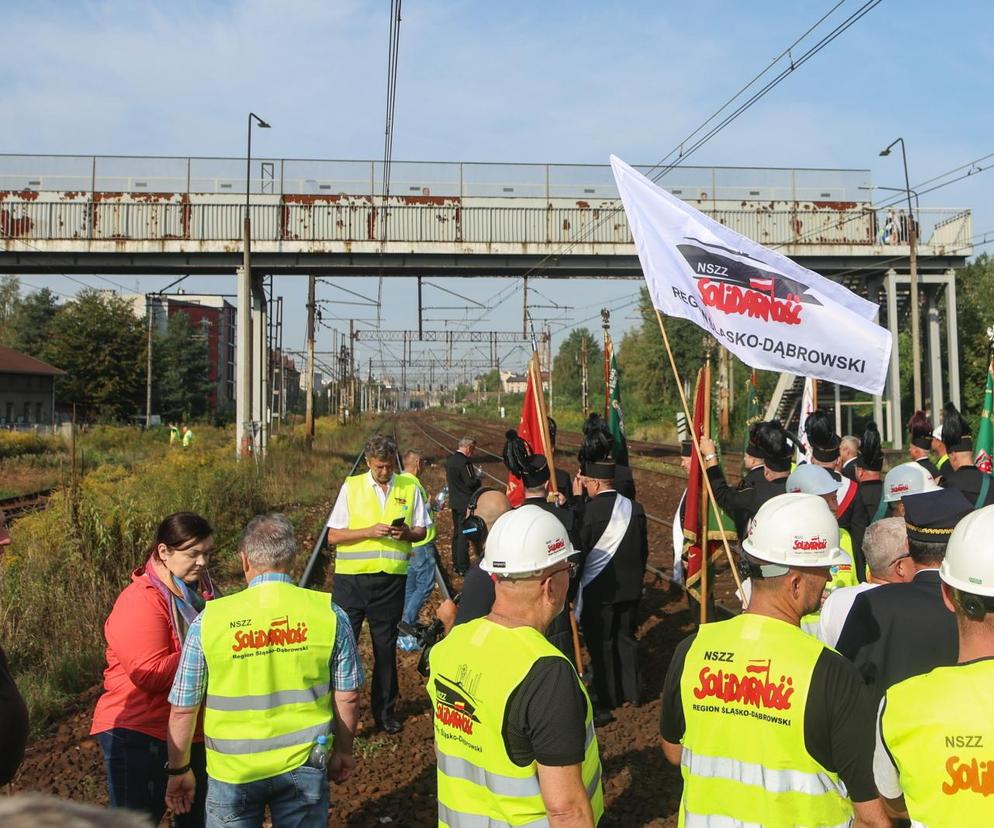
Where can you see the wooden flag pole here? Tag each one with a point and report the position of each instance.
(703, 536)
(543, 418)
(700, 458)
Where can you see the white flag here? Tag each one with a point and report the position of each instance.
(807, 406)
(765, 308)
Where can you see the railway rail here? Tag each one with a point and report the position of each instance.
(20, 505)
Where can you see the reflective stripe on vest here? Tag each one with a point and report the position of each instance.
(943, 745)
(376, 554)
(430, 533)
(744, 690)
(474, 671)
(268, 651)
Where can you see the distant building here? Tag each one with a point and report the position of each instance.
(518, 383)
(27, 390)
(215, 317)
(286, 380)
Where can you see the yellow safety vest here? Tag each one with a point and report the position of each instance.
(376, 554)
(744, 689)
(843, 575)
(269, 689)
(938, 729)
(430, 533)
(942, 461)
(474, 670)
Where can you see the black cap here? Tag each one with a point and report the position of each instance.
(870, 455)
(930, 517)
(536, 471)
(599, 471)
(956, 431)
(821, 436)
(920, 429)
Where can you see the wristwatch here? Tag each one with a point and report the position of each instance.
(177, 771)
(709, 457)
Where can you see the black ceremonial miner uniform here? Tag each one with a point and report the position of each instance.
(968, 479)
(610, 603)
(741, 504)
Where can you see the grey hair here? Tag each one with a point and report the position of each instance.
(269, 542)
(851, 443)
(32, 810)
(381, 447)
(466, 442)
(883, 543)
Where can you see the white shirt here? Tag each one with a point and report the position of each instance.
(835, 610)
(885, 773)
(339, 517)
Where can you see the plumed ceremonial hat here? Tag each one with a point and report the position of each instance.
(870, 455)
(956, 431)
(600, 471)
(822, 439)
(920, 429)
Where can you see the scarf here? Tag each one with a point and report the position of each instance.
(184, 603)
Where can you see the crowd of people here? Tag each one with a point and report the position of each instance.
(850, 690)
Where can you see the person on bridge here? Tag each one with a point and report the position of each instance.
(769, 726)
(276, 671)
(935, 731)
(421, 569)
(145, 632)
(514, 734)
(920, 431)
(614, 548)
(775, 445)
(376, 518)
(961, 473)
(900, 630)
(463, 480)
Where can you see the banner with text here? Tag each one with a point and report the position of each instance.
(766, 309)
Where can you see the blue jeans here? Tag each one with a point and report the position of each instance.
(136, 775)
(420, 580)
(297, 799)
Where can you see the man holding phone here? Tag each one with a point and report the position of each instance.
(376, 518)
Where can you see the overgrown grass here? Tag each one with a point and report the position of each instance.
(18, 443)
(66, 566)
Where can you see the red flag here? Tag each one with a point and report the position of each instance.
(530, 429)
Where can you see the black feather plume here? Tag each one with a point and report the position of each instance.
(956, 432)
(871, 455)
(516, 453)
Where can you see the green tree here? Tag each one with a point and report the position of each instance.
(10, 298)
(32, 322)
(567, 370)
(100, 344)
(181, 370)
(490, 381)
(975, 315)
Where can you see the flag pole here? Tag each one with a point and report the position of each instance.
(700, 458)
(703, 536)
(543, 418)
(606, 324)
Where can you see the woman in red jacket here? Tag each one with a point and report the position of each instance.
(145, 633)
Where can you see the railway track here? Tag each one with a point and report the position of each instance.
(20, 505)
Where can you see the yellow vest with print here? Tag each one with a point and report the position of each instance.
(269, 689)
(744, 689)
(430, 533)
(938, 729)
(843, 575)
(376, 554)
(474, 670)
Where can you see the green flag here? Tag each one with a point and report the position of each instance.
(984, 447)
(616, 419)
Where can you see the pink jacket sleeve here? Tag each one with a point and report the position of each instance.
(139, 633)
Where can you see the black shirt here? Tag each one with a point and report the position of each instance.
(741, 504)
(545, 717)
(462, 481)
(839, 718)
(477, 596)
(13, 724)
(968, 479)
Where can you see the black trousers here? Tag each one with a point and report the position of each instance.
(460, 544)
(379, 599)
(609, 630)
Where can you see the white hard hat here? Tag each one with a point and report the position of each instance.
(907, 479)
(526, 539)
(811, 479)
(969, 561)
(795, 529)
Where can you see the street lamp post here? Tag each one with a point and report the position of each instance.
(916, 361)
(243, 429)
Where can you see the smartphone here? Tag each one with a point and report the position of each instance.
(397, 522)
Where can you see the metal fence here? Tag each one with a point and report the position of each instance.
(361, 220)
(285, 176)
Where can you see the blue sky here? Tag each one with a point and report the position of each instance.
(507, 81)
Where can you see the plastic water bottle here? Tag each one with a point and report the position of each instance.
(319, 753)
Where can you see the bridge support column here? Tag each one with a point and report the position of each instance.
(934, 351)
(894, 380)
(952, 337)
(243, 364)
